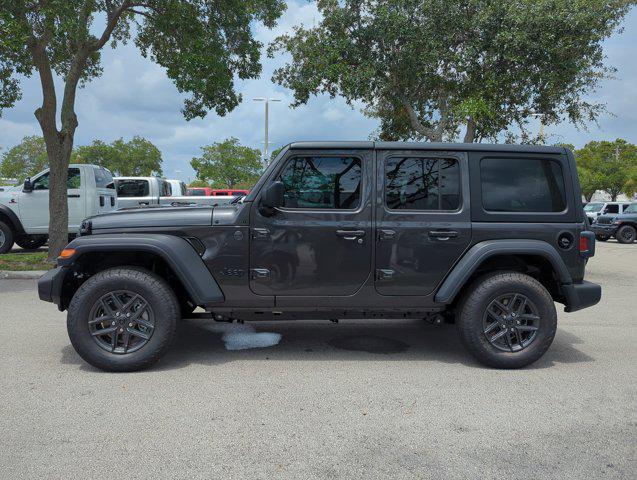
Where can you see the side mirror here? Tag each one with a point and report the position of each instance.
(28, 186)
(273, 197)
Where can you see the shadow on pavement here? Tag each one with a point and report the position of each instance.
(353, 340)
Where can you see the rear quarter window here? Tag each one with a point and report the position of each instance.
(525, 185)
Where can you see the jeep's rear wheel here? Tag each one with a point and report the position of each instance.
(507, 320)
(626, 234)
(123, 319)
(6, 238)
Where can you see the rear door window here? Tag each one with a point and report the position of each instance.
(133, 188)
(415, 183)
(611, 209)
(522, 185)
(103, 178)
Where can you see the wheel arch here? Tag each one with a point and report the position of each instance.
(9, 217)
(535, 257)
(169, 256)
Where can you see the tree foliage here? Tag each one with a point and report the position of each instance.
(25, 159)
(426, 68)
(137, 157)
(203, 45)
(609, 166)
(228, 165)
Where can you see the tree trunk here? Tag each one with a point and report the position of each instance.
(58, 203)
(470, 134)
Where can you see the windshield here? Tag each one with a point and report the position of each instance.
(631, 208)
(593, 207)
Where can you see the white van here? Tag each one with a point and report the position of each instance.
(24, 210)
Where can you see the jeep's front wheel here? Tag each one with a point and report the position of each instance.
(507, 320)
(123, 319)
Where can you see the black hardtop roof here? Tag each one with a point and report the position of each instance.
(472, 147)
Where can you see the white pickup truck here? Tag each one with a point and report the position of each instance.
(24, 210)
(153, 191)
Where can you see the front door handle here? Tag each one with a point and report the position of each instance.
(443, 234)
(350, 234)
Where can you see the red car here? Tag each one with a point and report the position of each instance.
(199, 191)
(229, 193)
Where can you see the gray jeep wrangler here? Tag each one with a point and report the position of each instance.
(486, 236)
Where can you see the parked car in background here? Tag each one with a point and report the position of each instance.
(153, 191)
(199, 192)
(595, 209)
(623, 226)
(177, 188)
(24, 210)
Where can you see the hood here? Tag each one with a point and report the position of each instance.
(153, 217)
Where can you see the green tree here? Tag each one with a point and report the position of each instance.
(138, 157)
(25, 159)
(199, 183)
(228, 165)
(590, 182)
(426, 69)
(611, 165)
(275, 152)
(204, 46)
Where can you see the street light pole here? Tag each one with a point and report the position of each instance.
(541, 115)
(267, 101)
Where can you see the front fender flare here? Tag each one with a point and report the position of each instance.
(13, 219)
(471, 260)
(175, 251)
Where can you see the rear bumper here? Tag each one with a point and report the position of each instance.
(581, 295)
(50, 285)
(605, 230)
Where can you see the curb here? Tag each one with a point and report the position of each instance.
(21, 275)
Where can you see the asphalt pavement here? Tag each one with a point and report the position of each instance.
(359, 399)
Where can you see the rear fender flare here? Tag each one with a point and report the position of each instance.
(480, 252)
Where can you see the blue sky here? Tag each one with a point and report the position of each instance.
(134, 97)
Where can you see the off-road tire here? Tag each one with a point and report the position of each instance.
(473, 305)
(152, 288)
(31, 242)
(6, 239)
(626, 234)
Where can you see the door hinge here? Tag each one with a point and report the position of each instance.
(260, 233)
(384, 274)
(257, 273)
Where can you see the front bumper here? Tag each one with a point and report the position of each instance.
(604, 230)
(50, 286)
(581, 295)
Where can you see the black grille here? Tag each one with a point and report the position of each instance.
(605, 220)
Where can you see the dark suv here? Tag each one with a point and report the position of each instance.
(623, 226)
(486, 236)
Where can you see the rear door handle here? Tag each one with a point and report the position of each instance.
(74, 195)
(443, 234)
(350, 234)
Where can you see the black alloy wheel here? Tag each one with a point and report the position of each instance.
(510, 322)
(121, 322)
